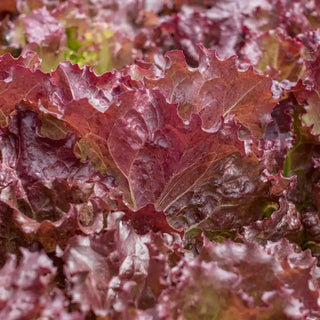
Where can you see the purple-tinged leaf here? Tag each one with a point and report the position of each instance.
(28, 289)
(118, 270)
(225, 282)
(216, 89)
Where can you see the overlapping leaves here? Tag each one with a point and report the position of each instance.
(160, 190)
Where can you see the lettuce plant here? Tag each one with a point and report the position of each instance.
(159, 160)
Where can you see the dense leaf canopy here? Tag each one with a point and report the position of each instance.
(159, 159)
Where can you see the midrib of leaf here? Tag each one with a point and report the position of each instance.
(95, 151)
(287, 167)
(28, 92)
(25, 197)
(53, 124)
(191, 167)
(175, 87)
(276, 57)
(134, 205)
(241, 98)
(67, 79)
(4, 120)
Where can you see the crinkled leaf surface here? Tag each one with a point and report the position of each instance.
(216, 89)
(163, 190)
(51, 192)
(48, 35)
(225, 281)
(119, 270)
(276, 54)
(163, 155)
(28, 289)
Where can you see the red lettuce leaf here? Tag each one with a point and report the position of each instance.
(225, 281)
(118, 271)
(124, 178)
(12, 237)
(148, 219)
(276, 54)
(158, 148)
(167, 142)
(228, 195)
(53, 194)
(284, 223)
(312, 69)
(216, 89)
(28, 289)
(278, 137)
(46, 36)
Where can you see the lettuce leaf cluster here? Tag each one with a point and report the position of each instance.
(159, 160)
